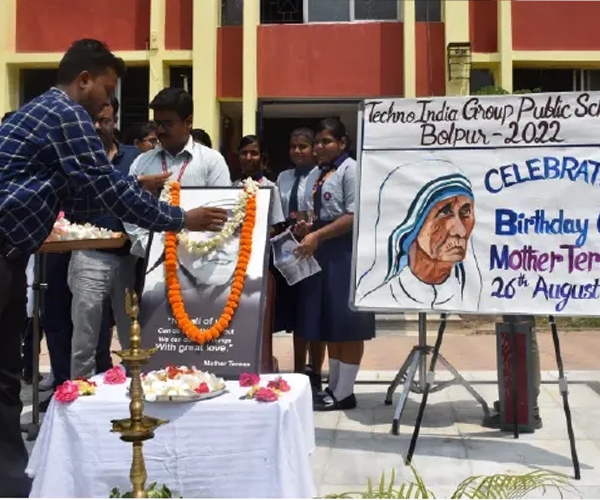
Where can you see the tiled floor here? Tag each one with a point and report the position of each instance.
(355, 445)
(452, 445)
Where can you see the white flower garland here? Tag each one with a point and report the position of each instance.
(201, 248)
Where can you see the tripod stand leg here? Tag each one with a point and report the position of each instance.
(461, 380)
(562, 383)
(399, 376)
(414, 360)
(428, 384)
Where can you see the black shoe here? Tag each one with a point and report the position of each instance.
(27, 377)
(329, 403)
(44, 405)
(493, 422)
(316, 383)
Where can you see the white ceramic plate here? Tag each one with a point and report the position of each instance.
(188, 399)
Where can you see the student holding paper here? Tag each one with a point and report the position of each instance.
(292, 184)
(324, 312)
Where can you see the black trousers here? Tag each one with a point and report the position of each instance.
(13, 316)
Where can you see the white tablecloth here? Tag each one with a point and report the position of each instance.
(221, 447)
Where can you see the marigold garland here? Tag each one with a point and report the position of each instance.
(174, 295)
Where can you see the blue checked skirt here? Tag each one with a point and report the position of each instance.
(323, 312)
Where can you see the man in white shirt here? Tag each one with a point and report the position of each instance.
(189, 162)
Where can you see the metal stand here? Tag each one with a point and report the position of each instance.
(39, 284)
(562, 384)
(417, 359)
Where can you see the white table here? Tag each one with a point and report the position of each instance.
(223, 447)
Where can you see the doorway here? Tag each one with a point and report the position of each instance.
(278, 119)
(276, 137)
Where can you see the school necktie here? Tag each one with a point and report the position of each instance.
(317, 193)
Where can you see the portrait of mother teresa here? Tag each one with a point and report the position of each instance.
(424, 257)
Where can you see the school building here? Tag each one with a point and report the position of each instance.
(269, 65)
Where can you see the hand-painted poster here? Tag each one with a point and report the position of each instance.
(480, 205)
(205, 283)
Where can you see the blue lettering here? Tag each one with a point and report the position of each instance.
(487, 183)
(505, 222)
(545, 168)
(498, 260)
(534, 170)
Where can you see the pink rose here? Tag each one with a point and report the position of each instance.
(67, 392)
(249, 379)
(266, 395)
(115, 376)
(279, 384)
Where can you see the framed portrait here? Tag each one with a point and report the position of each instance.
(205, 285)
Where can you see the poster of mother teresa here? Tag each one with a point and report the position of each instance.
(423, 255)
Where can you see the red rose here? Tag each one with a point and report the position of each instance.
(202, 388)
(249, 379)
(279, 384)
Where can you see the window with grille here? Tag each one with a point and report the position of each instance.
(351, 10)
(282, 11)
(428, 11)
(232, 12)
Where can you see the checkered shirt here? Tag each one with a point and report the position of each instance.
(51, 159)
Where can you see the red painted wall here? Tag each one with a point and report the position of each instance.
(178, 30)
(483, 24)
(431, 53)
(330, 60)
(51, 26)
(229, 62)
(555, 25)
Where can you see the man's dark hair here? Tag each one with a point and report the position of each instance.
(7, 115)
(139, 132)
(87, 55)
(200, 135)
(114, 104)
(173, 99)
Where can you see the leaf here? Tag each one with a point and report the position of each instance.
(496, 486)
(513, 485)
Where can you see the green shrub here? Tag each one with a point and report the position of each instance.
(496, 486)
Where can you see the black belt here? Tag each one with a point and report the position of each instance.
(9, 252)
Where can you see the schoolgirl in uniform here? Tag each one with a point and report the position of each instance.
(292, 188)
(324, 313)
(253, 164)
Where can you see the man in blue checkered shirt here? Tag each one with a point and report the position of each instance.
(51, 159)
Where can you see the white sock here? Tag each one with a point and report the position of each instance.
(334, 373)
(345, 383)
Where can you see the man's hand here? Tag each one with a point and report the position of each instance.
(153, 183)
(205, 219)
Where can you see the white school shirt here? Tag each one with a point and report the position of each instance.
(206, 167)
(338, 193)
(276, 214)
(285, 183)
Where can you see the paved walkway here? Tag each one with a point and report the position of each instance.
(466, 352)
(357, 444)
